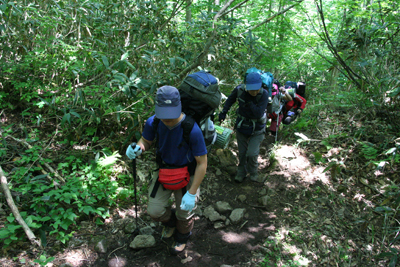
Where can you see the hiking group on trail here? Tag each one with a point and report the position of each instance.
(183, 132)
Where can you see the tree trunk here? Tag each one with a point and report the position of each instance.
(188, 11)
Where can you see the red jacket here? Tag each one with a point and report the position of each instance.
(297, 102)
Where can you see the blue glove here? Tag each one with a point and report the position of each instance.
(132, 153)
(188, 201)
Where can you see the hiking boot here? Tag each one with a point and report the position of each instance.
(177, 248)
(257, 178)
(239, 178)
(167, 232)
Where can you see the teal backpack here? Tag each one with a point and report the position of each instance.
(266, 77)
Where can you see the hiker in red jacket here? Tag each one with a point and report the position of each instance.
(274, 109)
(294, 108)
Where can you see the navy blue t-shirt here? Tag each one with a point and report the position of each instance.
(171, 138)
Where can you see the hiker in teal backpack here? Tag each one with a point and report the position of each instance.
(182, 166)
(250, 124)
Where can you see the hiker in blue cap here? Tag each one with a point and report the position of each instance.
(182, 167)
(250, 124)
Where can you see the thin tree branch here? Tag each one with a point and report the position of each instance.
(47, 165)
(333, 50)
(235, 7)
(10, 201)
(275, 15)
(208, 44)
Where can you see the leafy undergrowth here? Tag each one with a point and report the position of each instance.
(332, 188)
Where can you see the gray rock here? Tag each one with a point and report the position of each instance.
(222, 206)
(263, 191)
(101, 246)
(242, 198)
(212, 215)
(219, 225)
(264, 200)
(218, 172)
(146, 230)
(75, 242)
(237, 215)
(226, 158)
(130, 227)
(143, 241)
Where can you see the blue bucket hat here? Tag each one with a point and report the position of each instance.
(168, 103)
(253, 81)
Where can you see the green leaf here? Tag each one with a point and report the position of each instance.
(105, 61)
(10, 219)
(390, 151)
(383, 208)
(99, 221)
(147, 58)
(45, 219)
(129, 64)
(75, 114)
(4, 233)
(66, 117)
(393, 261)
(72, 216)
(394, 92)
(87, 209)
(45, 198)
(125, 56)
(65, 224)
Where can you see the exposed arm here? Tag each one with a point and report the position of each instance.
(199, 173)
(286, 95)
(230, 101)
(144, 144)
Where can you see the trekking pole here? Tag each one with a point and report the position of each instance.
(277, 119)
(133, 145)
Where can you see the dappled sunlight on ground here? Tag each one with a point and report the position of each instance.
(237, 238)
(77, 257)
(117, 262)
(293, 164)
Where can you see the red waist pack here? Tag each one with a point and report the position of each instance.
(174, 179)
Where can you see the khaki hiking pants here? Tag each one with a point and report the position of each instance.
(159, 207)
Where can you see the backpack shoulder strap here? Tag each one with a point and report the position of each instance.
(156, 122)
(240, 92)
(187, 126)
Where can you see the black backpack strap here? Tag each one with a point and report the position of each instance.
(240, 92)
(156, 122)
(155, 188)
(187, 126)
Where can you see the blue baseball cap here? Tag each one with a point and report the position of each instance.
(168, 103)
(253, 81)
